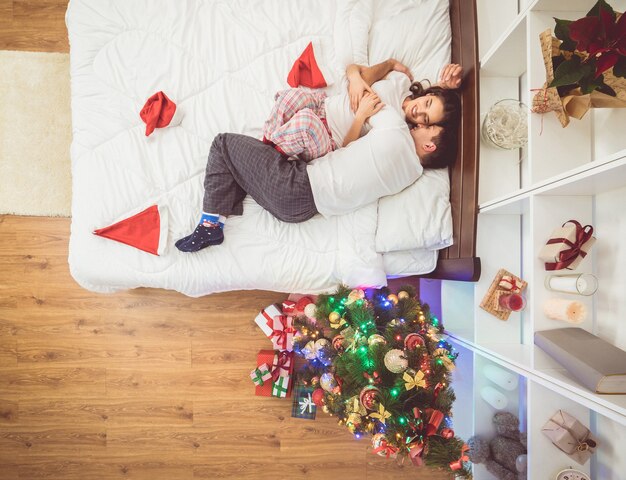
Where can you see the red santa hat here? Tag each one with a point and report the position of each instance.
(146, 230)
(308, 71)
(159, 112)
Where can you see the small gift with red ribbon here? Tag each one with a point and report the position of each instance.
(282, 333)
(265, 318)
(261, 374)
(280, 365)
(511, 284)
(567, 246)
(277, 326)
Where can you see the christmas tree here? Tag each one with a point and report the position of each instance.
(382, 366)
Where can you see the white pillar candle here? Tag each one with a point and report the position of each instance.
(569, 311)
(582, 284)
(501, 377)
(494, 398)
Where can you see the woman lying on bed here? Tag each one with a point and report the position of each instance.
(383, 162)
(308, 124)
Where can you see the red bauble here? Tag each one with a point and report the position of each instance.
(318, 396)
(447, 433)
(413, 340)
(369, 396)
(303, 302)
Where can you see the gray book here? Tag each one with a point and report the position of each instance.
(598, 365)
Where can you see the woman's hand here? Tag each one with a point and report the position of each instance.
(357, 88)
(451, 76)
(400, 67)
(370, 105)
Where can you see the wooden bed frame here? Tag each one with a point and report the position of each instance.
(459, 261)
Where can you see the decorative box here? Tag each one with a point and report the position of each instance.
(303, 405)
(570, 436)
(281, 365)
(265, 319)
(567, 246)
(261, 374)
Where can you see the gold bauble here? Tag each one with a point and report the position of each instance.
(334, 317)
(402, 295)
(393, 299)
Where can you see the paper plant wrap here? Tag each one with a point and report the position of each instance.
(575, 104)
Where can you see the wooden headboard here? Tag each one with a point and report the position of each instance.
(459, 261)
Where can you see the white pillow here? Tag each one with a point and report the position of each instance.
(420, 216)
(352, 25)
(415, 32)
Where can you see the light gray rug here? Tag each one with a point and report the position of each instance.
(35, 134)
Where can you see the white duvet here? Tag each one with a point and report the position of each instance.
(221, 62)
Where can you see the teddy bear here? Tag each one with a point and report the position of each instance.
(505, 455)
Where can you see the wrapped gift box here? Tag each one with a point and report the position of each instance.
(281, 365)
(265, 319)
(261, 374)
(567, 246)
(570, 436)
(303, 406)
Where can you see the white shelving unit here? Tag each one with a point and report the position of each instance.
(577, 172)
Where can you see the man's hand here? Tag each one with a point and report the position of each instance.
(370, 105)
(451, 76)
(357, 88)
(400, 67)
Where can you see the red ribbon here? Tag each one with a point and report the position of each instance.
(386, 448)
(416, 452)
(433, 424)
(458, 464)
(374, 378)
(281, 362)
(280, 333)
(567, 257)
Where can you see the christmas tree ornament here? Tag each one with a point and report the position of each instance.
(339, 343)
(320, 344)
(355, 419)
(309, 310)
(328, 382)
(369, 396)
(414, 381)
(355, 406)
(354, 296)
(376, 339)
(325, 409)
(393, 298)
(381, 414)
(413, 340)
(309, 351)
(382, 447)
(395, 361)
(302, 303)
(335, 320)
(318, 397)
(315, 381)
(402, 295)
(442, 358)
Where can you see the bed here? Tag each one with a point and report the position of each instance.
(222, 62)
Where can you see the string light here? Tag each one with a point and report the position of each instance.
(394, 393)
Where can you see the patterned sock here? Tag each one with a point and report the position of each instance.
(208, 219)
(208, 232)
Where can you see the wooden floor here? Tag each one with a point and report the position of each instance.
(146, 384)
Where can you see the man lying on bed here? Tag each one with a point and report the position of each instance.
(383, 162)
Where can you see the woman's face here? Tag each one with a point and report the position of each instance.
(425, 110)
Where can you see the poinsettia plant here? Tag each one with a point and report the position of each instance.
(590, 46)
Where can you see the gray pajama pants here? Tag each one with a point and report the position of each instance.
(240, 165)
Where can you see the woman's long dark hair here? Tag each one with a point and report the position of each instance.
(447, 140)
(449, 98)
